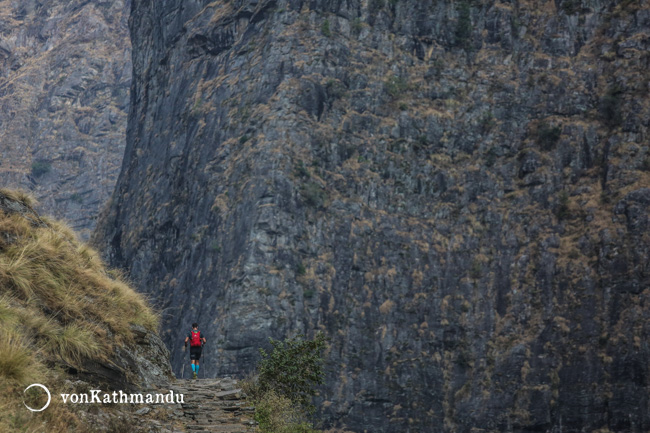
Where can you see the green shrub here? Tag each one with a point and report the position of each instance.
(40, 168)
(314, 195)
(548, 136)
(395, 86)
(357, 26)
(605, 197)
(571, 7)
(276, 413)
(421, 143)
(515, 25)
(301, 170)
(375, 5)
(335, 89)
(491, 157)
(487, 121)
(300, 269)
(610, 106)
(475, 270)
(562, 210)
(464, 358)
(464, 25)
(293, 368)
(325, 29)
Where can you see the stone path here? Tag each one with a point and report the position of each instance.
(210, 406)
(213, 405)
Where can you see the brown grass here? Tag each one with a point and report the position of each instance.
(59, 307)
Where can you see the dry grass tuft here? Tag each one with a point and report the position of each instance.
(20, 196)
(59, 307)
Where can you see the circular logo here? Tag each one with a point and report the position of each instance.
(49, 397)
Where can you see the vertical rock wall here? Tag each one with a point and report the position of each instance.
(455, 192)
(65, 73)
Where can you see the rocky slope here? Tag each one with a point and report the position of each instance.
(456, 192)
(65, 72)
(69, 323)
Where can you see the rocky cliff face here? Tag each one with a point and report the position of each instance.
(65, 72)
(456, 192)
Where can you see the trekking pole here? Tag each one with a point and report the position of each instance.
(183, 367)
(205, 363)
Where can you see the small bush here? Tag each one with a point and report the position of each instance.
(548, 136)
(276, 413)
(475, 270)
(605, 197)
(464, 358)
(610, 107)
(491, 157)
(357, 26)
(293, 368)
(487, 121)
(251, 387)
(515, 25)
(376, 5)
(562, 210)
(300, 269)
(335, 89)
(421, 143)
(41, 168)
(464, 25)
(301, 170)
(571, 7)
(325, 29)
(314, 195)
(395, 86)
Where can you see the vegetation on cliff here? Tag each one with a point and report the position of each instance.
(283, 389)
(60, 309)
(456, 192)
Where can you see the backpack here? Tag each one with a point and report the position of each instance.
(196, 339)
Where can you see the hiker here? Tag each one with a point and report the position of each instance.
(196, 346)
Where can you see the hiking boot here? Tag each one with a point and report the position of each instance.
(196, 376)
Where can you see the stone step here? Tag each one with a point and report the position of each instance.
(213, 406)
(210, 406)
(216, 428)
